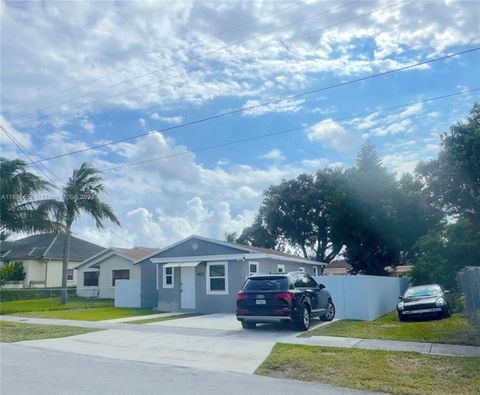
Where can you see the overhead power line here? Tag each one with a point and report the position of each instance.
(189, 45)
(29, 156)
(249, 108)
(80, 105)
(291, 130)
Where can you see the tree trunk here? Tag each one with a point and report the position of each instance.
(66, 255)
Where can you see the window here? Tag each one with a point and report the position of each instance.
(123, 274)
(301, 268)
(252, 268)
(90, 279)
(280, 268)
(315, 271)
(217, 278)
(167, 277)
(69, 274)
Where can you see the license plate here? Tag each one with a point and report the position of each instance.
(261, 301)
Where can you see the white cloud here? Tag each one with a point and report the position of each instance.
(176, 120)
(142, 122)
(273, 155)
(332, 134)
(287, 106)
(23, 138)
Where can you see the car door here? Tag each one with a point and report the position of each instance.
(312, 291)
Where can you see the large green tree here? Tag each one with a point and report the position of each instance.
(301, 213)
(445, 250)
(21, 208)
(370, 223)
(453, 179)
(81, 195)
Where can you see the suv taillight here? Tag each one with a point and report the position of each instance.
(285, 296)
(242, 295)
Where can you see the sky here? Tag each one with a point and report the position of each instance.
(80, 74)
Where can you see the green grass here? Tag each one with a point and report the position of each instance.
(21, 306)
(453, 330)
(17, 331)
(166, 318)
(374, 370)
(76, 309)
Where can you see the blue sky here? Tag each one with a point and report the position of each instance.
(78, 74)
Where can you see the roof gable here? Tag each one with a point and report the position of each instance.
(199, 246)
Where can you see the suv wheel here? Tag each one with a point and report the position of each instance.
(330, 313)
(303, 322)
(249, 324)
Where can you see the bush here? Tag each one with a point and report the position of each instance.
(11, 271)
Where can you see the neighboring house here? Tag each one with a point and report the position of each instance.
(205, 275)
(338, 268)
(97, 274)
(41, 256)
(400, 270)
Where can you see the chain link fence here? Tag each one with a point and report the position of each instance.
(470, 285)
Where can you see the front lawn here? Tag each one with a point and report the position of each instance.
(18, 331)
(453, 330)
(21, 306)
(375, 370)
(76, 309)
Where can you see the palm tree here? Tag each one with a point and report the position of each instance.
(81, 195)
(231, 237)
(19, 211)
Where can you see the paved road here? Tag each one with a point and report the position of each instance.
(26, 370)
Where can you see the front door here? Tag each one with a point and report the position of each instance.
(187, 287)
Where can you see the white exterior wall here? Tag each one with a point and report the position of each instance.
(34, 271)
(106, 266)
(54, 273)
(363, 297)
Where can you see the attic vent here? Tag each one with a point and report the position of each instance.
(195, 246)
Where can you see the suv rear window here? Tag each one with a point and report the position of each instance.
(266, 284)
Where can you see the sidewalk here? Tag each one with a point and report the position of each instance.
(389, 345)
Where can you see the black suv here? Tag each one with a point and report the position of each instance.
(293, 297)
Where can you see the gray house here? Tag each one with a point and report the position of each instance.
(204, 275)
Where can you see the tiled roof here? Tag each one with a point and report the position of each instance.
(47, 246)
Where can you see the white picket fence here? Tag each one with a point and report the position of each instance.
(363, 297)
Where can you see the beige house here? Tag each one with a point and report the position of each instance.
(41, 256)
(338, 268)
(97, 274)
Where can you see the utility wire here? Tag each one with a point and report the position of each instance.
(296, 129)
(249, 108)
(189, 45)
(45, 116)
(29, 155)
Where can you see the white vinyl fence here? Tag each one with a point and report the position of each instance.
(363, 297)
(127, 293)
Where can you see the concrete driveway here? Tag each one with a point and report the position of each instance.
(213, 342)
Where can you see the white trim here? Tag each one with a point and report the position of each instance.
(183, 264)
(109, 252)
(280, 266)
(164, 277)
(233, 257)
(257, 265)
(210, 292)
(50, 246)
(156, 282)
(224, 243)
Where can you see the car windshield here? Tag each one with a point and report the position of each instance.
(266, 284)
(418, 292)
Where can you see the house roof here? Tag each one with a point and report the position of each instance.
(243, 248)
(340, 264)
(132, 254)
(47, 246)
(135, 253)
